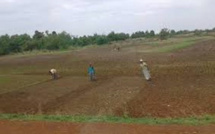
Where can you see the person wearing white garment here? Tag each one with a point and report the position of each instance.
(145, 70)
(53, 73)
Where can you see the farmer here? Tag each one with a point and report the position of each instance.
(145, 70)
(116, 48)
(91, 72)
(53, 73)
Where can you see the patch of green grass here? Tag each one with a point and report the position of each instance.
(178, 46)
(174, 44)
(169, 45)
(4, 80)
(38, 52)
(50, 52)
(202, 120)
(181, 44)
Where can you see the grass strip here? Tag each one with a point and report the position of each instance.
(201, 120)
(179, 46)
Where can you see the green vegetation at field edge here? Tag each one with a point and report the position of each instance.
(181, 44)
(201, 120)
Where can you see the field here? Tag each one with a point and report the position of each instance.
(182, 85)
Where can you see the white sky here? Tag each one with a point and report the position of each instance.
(86, 17)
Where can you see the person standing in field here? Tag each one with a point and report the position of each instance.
(91, 72)
(145, 70)
(53, 73)
(118, 48)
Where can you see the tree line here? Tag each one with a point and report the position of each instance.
(61, 41)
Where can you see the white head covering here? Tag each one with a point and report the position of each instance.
(53, 71)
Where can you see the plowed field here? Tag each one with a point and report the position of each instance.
(182, 83)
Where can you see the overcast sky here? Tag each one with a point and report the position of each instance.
(86, 17)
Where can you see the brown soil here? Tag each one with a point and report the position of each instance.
(182, 83)
(17, 127)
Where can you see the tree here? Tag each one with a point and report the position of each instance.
(138, 34)
(57, 41)
(84, 41)
(31, 45)
(152, 33)
(164, 33)
(54, 33)
(122, 36)
(172, 32)
(102, 40)
(147, 35)
(117, 36)
(38, 35)
(17, 42)
(197, 32)
(4, 44)
(47, 33)
(112, 36)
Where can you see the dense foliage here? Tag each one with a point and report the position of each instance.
(63, 40)
(53, 41)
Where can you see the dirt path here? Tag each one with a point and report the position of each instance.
(20, 127)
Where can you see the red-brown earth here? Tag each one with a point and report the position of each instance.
(182, 85)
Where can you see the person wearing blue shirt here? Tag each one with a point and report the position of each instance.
(91, 72)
